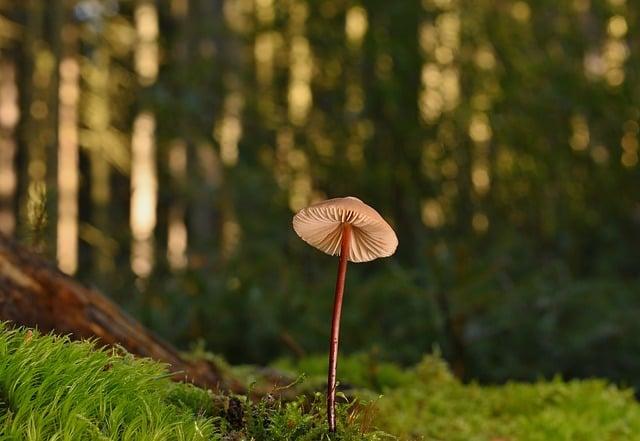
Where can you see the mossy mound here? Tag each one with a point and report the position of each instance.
(433, 405)
(428, 403)
(55, 389)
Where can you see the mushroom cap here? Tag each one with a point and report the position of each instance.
(320, 225)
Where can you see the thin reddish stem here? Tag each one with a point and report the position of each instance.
(335, 327)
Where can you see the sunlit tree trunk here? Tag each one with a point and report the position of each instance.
(10, 45)
(144, 183)
(9, 116)
(68, 152)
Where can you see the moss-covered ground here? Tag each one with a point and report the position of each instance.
(54, 389)
(427, 402)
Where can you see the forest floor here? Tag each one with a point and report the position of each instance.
(55, 389)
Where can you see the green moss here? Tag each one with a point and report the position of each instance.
(427, 402)
(55, 389)
(436, 406)
(361, 370)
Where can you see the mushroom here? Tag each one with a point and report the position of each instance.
(356, 232)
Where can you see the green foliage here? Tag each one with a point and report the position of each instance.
(554, 324)
(54, 389)
(51, 388)
(361, 370)
(433, 405)
(304, 418)
(428, 403)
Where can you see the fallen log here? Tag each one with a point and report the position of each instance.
(34, 293)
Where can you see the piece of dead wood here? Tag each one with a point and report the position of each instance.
(34, 293)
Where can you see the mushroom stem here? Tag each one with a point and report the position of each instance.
(335, 327)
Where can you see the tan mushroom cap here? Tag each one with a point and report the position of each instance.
(320, 225)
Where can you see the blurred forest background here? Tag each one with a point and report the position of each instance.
(158, 150)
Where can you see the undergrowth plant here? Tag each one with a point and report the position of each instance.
(54, 389)
(57, 390)
(427, 402)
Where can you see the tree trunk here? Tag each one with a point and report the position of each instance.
(34, 293)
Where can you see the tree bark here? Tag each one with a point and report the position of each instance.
(34, 293)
